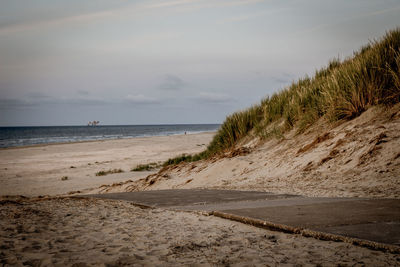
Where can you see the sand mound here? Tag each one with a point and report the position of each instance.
(357, 158)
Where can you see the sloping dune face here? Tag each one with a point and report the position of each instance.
(335, 134)
(357, 158)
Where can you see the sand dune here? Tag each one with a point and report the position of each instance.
(358, 158)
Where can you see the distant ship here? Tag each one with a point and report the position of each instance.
(93, 123)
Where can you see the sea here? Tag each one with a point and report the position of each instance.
(35, 135)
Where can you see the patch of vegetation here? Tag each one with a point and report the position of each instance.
(183, 157)
(146, 167)
(341, 91)
(64, 178)
(102, 173)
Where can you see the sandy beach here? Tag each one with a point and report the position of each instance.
(38, 170)
(87, 232)
(199, 133)
(65, 231)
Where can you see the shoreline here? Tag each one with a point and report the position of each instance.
(100, 140)
(41, 169)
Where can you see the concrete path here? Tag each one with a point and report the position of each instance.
(369, 222)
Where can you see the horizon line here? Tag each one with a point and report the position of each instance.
(85, 125)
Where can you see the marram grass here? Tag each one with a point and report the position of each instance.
(340, 91)
(110, 171)
(145, 167)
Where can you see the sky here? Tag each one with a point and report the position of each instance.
(67, 62)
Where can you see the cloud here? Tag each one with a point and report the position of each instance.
(244, 17)
(38, 99)
(37, 95)
(283, 78)
(141, 99)
(129, 42)
(13, 103)
(83, 101)
(213, 98)
(131, 10)
(172, 83)
(346, 20)
(241, 18)
(82, 92)
(171, 3)
(45, 23)
(68, 19)
(226, 3)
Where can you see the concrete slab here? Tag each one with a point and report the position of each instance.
(372, 219)
(327, 214)
(276, 201)
(382, 232)
(354, 219)
(189, 197)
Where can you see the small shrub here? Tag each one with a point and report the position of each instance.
(64, 178)
(102, 173)
(178, 160)
(145, 167)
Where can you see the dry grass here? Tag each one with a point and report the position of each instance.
(111, 171)
(319, 139)
(146, 167)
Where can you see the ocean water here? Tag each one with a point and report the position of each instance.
(25, 136)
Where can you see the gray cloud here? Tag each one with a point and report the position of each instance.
(69, 13)
(83, 92)
(324, 26)
(213, 98)
(141, 99)
(39, 100)
(172, 83)
(66, 16)
(283, 78)
(219, 55)
(36, 99)
(83, 101)
(13, 103)
(37, 95)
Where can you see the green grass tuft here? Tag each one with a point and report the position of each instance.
(102, 173)
(145, 167)
(179, 159)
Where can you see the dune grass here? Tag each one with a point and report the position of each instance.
(145, 167)
(111, 171)
(340, 91)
